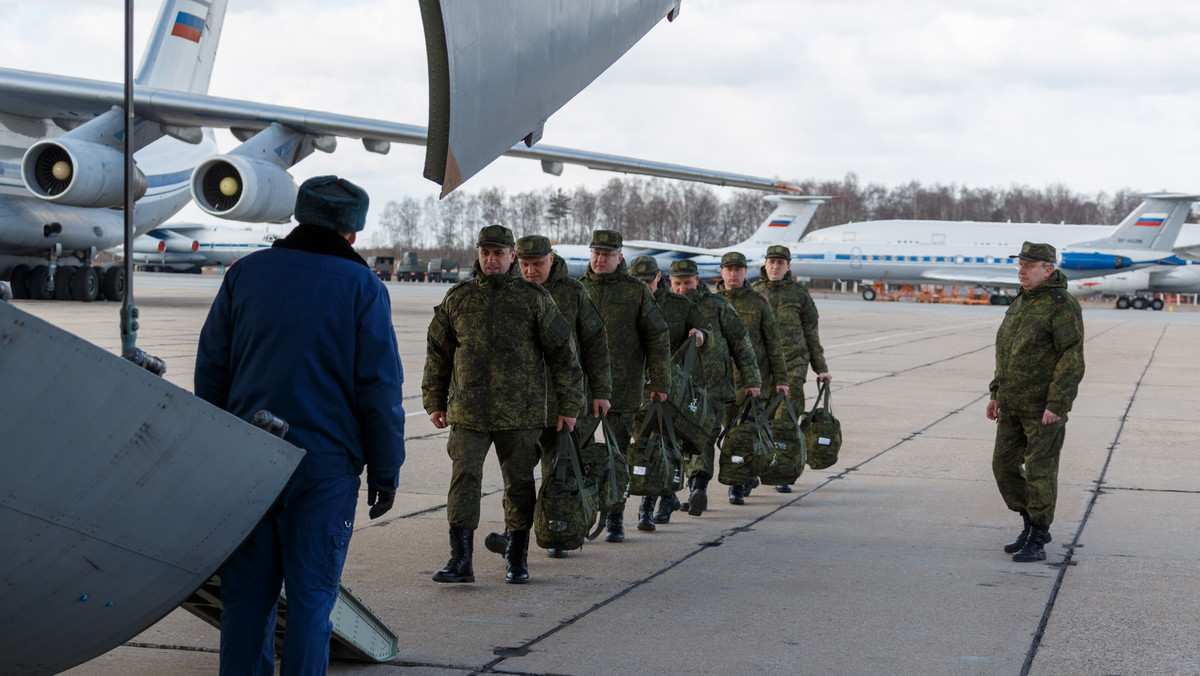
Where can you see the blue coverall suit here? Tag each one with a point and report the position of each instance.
(304, 331)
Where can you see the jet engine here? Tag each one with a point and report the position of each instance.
(243, 189)
(78, 173)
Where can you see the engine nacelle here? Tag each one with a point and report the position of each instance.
(1079, 260)
(78, 173)
(241, 188)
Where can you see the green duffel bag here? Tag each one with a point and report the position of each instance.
(822, 431)
(567, 502)
(604, 463)
(788, 452)
(694, 416)
(746, 445)
(655, 463)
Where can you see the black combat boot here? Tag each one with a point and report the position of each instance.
(1035, 545)
(462, 546)
(556, 553)
(646, 514)
(735, 495)
(666, 505)
(749, 486)
(783, 489)
(698, 500)
(496, 542)
(1018, 544)
(615, 526)
(516, 557)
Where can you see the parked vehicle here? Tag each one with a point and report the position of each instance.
(383, 266)
(443, 270)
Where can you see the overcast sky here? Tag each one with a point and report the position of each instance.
(1095, 94)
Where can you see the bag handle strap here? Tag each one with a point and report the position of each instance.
(691, 356)
(781, 399)
(569, 455)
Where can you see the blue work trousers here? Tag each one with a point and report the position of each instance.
(301, 542)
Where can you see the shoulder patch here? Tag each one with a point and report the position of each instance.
(560, 328)
(1059, 295)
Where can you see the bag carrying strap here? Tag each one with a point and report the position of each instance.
(660, 412)
(746, 413)
(781, 399)
(569, 456)
(821, 400)
(691, 356)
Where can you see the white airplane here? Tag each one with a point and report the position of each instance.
(1128, 286)
(949, 252)
(785, 225)
(187, 247)
(61, 138)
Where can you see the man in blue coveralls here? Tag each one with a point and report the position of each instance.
(304, 330)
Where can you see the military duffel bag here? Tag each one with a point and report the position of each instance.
(822, 431)
(787, 458)
(655, 463)
(604, 463)
(566, 503)
(746, 445)
(694, 415)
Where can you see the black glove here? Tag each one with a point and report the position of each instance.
(380, 502)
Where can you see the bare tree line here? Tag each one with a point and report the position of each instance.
(693, 214)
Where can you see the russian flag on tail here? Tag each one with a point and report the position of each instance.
(780, 223)
(188, 26)
(1151, 220)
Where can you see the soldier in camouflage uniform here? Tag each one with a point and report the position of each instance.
(637, 344)
(755, 311)
(685, 322)
(796, 318)
(1039, 363)
(540, 265)
(489, 345)
(730, 344)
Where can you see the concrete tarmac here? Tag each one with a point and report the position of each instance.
(888, 562)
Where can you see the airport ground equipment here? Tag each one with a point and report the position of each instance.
(121, 494)
(383, 266)
(442, 270)
(409, 268)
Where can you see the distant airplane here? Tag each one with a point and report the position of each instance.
(1130, 285)
(785, 225)
(188, 247)
(950, 252)
(61, 138)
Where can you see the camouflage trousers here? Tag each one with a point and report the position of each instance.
(796, 378)
(517, 451)
(1025, 463)
(623, 426)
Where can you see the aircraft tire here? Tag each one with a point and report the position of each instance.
(62, 282)
(85, 286)
(1138, 304)
(868, 294)
(113, 284)
(1156, 304)
(40, 282)
(1122, 303)
(19, 281)
(5, 292)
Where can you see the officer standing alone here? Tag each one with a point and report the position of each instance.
(1039, 364)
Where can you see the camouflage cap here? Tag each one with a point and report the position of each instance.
(779, 251)
(496, 235)
(733, 259)
(1033, 251)
(684, 268)
(606, 239)
(533, 246)
(644, 268)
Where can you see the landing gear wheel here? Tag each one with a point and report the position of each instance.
(1122, 303)
(20, 282)
(1156, 304)
(113, 284)
(62, 283)
(868, 294)
(39, 283)
(1138, 304)
(85, 286)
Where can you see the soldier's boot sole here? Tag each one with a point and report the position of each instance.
(698, 502)
(496, 543)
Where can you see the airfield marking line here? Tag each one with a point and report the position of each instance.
(914, 333)
(1036, 643)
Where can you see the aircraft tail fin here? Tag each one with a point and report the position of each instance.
(787, 223)
(183, 46)
(1153, 225)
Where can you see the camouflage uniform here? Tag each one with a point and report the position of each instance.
(682, 316)
(796, 318)
(756, 313)
(637, 344)
(1039, 363)
(489, 345)
(730, 344)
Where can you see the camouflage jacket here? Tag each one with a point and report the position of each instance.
(637, 335)
(681, 315)
(796, 318)
(487, 351)
(589, 337)
(730, 345)
(755, 311)
(1039, 351)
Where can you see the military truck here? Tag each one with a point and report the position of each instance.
(410, 269)
(442, 270)
(383, 266)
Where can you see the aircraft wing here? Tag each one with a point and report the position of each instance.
(1189, 251)
(958, 277)
(71, 101)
